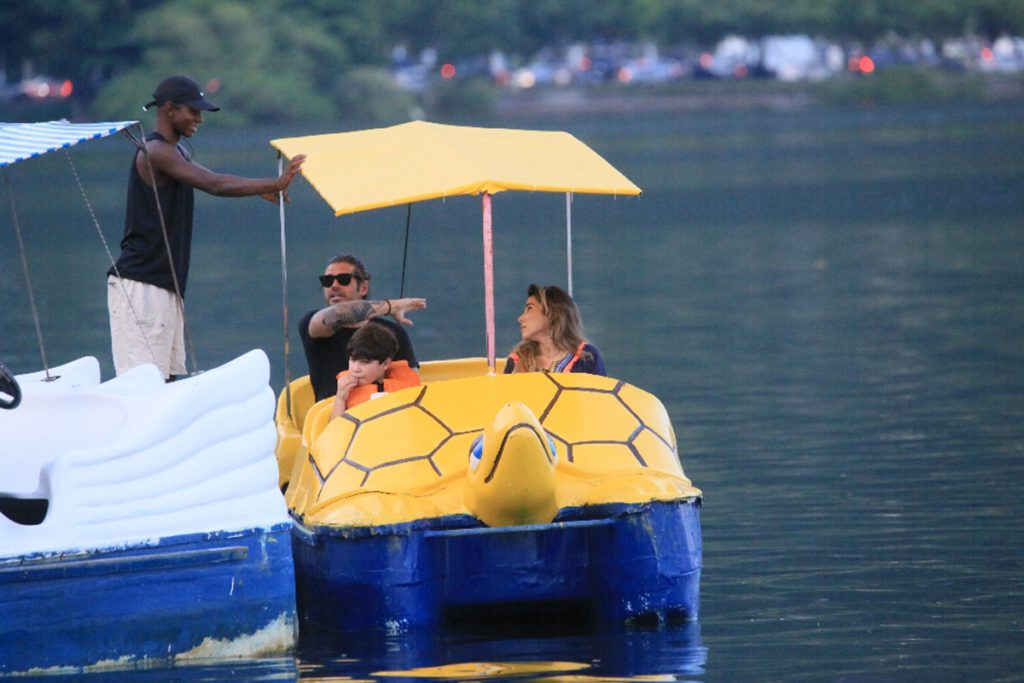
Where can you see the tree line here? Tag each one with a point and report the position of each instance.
(286, 60)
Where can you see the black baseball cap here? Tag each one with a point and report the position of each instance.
(181, 90)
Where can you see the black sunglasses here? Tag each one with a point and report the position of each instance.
(343, 279)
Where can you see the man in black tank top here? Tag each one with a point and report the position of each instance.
(147, 283)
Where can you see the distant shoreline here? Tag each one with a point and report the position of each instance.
(772, 95)
(897, 86)
(571, 100)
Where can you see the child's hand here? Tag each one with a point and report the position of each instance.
(345, 384)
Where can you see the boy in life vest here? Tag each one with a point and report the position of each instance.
(372, 369)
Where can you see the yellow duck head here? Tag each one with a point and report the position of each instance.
(511, 476)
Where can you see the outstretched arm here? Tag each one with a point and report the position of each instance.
(329, 320)
(167, 161)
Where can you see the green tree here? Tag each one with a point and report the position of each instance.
(557, 22)
(457, 29)
(368, 94)
(991, 18)
(257, 61)
(75, 39)
(358, 25)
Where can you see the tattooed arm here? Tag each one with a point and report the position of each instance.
(327, 321)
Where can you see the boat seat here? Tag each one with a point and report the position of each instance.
(290, 425)
(302, 401)
(457, 368)
(317, 418)
(293, 432)
(430, 371)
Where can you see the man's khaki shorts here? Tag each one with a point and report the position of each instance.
(147, 326)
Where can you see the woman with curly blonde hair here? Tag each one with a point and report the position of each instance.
(553, 336)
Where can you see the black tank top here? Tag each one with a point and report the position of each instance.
(143, 253)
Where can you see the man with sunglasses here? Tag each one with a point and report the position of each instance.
(146, 285)
(325, 332)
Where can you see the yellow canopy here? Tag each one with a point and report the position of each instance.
(416, 161)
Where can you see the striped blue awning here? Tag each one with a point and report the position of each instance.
(20, 141)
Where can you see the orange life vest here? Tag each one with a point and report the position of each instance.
(398, 376)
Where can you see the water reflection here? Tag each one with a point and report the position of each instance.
(499, 652)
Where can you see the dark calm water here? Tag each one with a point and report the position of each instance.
(829, 303)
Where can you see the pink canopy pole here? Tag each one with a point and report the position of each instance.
(489, 282)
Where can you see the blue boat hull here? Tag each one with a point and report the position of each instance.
(197, 595)
(616, 562)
